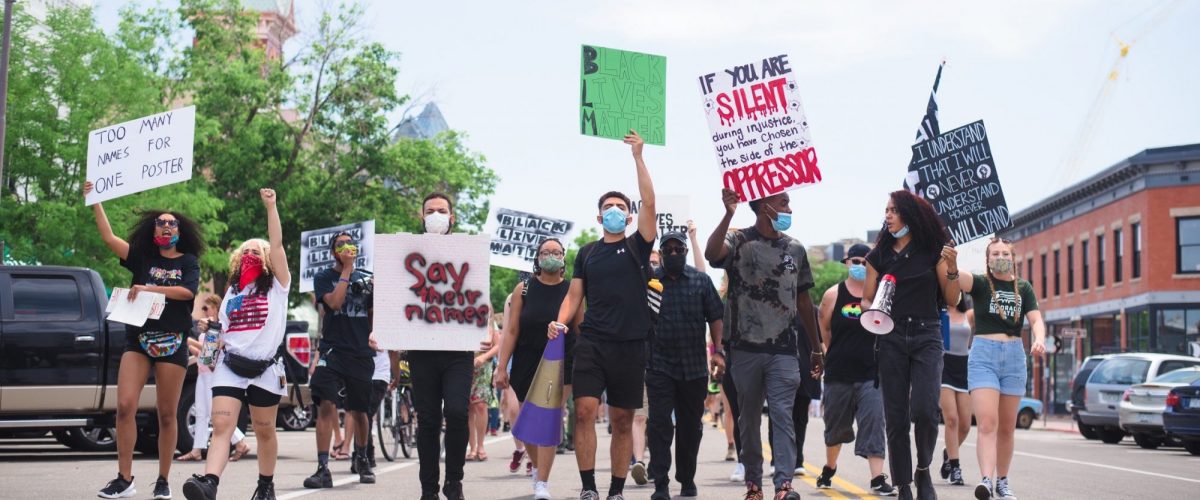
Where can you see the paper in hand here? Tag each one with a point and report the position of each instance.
(135, 312)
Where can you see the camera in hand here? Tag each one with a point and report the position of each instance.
(364, 285)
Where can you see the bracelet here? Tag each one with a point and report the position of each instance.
(343, 280)
(951, 276)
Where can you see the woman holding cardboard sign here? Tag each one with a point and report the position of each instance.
(163, 253)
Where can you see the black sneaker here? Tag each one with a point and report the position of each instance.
(200, 487)
(905, 492)
(365, 475)
(956, 478)
(322, 478)
(162, 490)
(453, 490)
(825, 480)
(661, 493)
(689, 490)
(945, 464)
(265, 491)
(924, 481)
(881, 487)
(118, 488)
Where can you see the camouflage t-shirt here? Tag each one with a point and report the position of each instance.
(765, 277)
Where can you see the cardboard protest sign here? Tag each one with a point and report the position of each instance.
(673, 213)
(315, 255)
(517, 236)
(140, 154)
(759, 129)
(960, 181)
(622, 90)
(431, 291)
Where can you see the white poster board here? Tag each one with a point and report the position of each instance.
(673, 213)
(315, 255)
(431, 291)
(140, 154)
(517, 235)
(147, 305)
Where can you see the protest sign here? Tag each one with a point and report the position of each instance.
(147, 305)
(622, 90)
(517, 236)
(431, 291)
(316, 256)
(140, 154)
(673, 213)
(759, 129)
(960, 181)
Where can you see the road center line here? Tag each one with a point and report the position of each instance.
(1103, 466)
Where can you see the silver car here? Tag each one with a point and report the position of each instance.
(1142, 406)
(1107, 385)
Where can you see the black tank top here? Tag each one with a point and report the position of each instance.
(851, 356)
(917, 287)
(540, 306)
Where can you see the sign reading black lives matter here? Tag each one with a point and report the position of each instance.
(315, 255)
(961, 182)
(518, 234)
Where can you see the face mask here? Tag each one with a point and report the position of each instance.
(1001, 266)
(343, 248)
(782, 222)
(858, 272)
(551, 264)
(165, 242)
(901, 233)
(252, 268)
(613, 220)
(437, 223)
(655, 267)
(674, 264)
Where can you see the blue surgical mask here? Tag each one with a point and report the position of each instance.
(858, 272)
(613, 220)
(782, 222)
(901, 233)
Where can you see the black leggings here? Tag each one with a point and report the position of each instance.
(253, 395)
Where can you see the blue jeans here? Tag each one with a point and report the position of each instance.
(998, 365)
(910, 374)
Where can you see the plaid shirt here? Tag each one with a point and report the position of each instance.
(690, 302)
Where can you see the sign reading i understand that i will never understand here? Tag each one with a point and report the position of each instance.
(960, 179)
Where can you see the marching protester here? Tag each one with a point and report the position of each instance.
(808, 390)
(162, 252)
(996, 366)
(483, 395)
(769, 278)
(441, 388)
(534, 302)
(955, 400)
(253, 318)
(851, 394)
(637, 464)
(201, 348)
(678, 371)
(914, 249)
(729, 394)
(610, 351)
(347, 361)
(382, 381)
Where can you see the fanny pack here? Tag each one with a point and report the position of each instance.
(158, 344)
(245, 367)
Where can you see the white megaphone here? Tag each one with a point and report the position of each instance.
(878, 319)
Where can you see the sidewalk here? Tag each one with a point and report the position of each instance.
(1056, 423)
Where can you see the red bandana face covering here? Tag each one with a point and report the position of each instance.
(252, 268)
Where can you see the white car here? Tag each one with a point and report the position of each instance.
(1142, 406)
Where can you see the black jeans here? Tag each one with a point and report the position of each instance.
(730, 390)
(799, 421)
(437, 377)
(910, 374)
(686, 399)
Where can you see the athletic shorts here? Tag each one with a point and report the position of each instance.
(179, 357)
(954, 372)
(262, 391)
(615, 368)
(378, 391)
(330, 385)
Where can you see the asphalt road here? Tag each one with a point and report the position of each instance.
(1048, 465)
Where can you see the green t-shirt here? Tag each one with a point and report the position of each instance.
(987, 319)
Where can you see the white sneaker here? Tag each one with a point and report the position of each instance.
(533, 477)
(739, 474)
(541, 490)
(800, 472)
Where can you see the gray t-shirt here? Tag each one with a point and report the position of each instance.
(765, 278)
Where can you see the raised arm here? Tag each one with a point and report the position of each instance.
(716, 251)
(279, 264)
(118, 246)
(647, 216)
(697, 255)
(966, 281)
(948, 276)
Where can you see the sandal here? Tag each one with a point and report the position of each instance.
(471, 455)
(191, 456)
(240, 451)
(338, 452)
(482, 456)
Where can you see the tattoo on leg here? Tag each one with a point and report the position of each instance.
(223, 413)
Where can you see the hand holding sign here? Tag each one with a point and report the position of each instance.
(635, 140)
(730, 198)
(140, 154)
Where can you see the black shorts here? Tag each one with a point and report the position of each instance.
(252, 395)
(954, 372)
(378, 390)
(179, 357)
(330, 385)
(615, 368)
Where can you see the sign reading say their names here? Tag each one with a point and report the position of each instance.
(431, 291)
(960, 179)
(518, 234)
(622, 90)
(315, 254)
(759, 129)
(140, 154)
(673, 213)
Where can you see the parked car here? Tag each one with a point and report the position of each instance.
(1142, 406)
(1107, 384)
(1181, 418)
(1030, 410)
(1078, 387)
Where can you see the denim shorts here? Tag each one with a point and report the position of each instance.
(997, 365)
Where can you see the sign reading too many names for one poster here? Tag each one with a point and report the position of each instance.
(431, 291)
(960, 179)
(518, 235)
(759, 129)
(316, 256)
(140, 154)
(622, 90)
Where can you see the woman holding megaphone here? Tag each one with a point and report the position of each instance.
(918, 267)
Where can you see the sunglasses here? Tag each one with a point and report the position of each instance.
(166, 223)
(858, 260)
(674, 251)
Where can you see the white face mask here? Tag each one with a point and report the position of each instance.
(437, 223)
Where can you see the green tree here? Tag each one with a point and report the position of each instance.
(825, 275)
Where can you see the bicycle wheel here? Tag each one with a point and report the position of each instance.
(406, 419)
(385, 425)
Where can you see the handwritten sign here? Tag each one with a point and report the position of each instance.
(960, 181)
(140, 154)
(673, 213)
(759, 129)
(622, 90)
(315, 255)
(147, 305)
(431, 291)
(517, 236)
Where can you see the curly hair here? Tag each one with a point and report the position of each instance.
(537, 268)
(141, 238)
(923, 222)
(263, 283)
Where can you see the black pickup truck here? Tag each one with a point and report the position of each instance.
(59, 360)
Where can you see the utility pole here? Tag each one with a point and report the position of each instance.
(8, 7)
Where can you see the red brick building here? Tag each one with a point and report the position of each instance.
(1118, 256)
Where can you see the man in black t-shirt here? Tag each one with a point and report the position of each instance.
(345, 360)
(610, 353)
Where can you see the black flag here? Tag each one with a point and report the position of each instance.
(928, 130)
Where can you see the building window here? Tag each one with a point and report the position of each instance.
(1070, 268)
(1118, 254)
(1028, 270)
(1187, 241)
(1057, 289)
(1100, 260)
(1045, 279)
(1177, 331)
(1137, 250)
(1087, 268)
(1138, 324)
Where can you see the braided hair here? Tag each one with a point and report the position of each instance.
(992, 284)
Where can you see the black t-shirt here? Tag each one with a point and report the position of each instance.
(916, 280)
(157, 270)
(540, 306)
(851, 356)
(615, 289)
(346, 330)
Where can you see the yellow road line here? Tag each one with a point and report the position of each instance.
(811, 480)
(841, 483)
